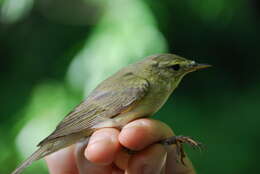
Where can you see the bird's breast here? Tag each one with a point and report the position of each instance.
(156, 97)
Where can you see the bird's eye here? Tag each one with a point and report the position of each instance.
(175, 67)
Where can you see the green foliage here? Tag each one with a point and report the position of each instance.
(50, 62)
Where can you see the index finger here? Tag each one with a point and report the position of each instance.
(142, 132)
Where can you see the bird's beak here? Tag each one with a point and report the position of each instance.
(196, 66)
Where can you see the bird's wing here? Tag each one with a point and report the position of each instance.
(106, 101)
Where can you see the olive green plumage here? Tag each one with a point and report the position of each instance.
(138, 90)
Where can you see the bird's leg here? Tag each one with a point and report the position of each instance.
(179, 141)
(175, 140)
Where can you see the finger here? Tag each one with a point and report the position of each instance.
(142, 132)
(116, 170)
(148, 161)
(85, 166)
(163, 171)
(62, 161)
(172, 166)
(103, 146)
(122, 159)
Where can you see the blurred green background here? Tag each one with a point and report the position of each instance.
(54, 52)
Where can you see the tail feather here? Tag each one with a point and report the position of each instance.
(35, 156)
(47, 149)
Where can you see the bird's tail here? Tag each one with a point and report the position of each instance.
(48, 148)
(35, 156)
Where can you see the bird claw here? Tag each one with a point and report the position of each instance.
(179, 141)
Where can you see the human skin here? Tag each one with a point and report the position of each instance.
(104, 153)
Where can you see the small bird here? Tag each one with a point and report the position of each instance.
(136, 91)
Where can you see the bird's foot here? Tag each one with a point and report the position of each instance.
(179, 141)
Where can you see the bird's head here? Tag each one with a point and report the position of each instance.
(170, 67)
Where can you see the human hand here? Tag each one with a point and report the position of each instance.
(104, 153)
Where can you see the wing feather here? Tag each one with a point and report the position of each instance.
(106, 101)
